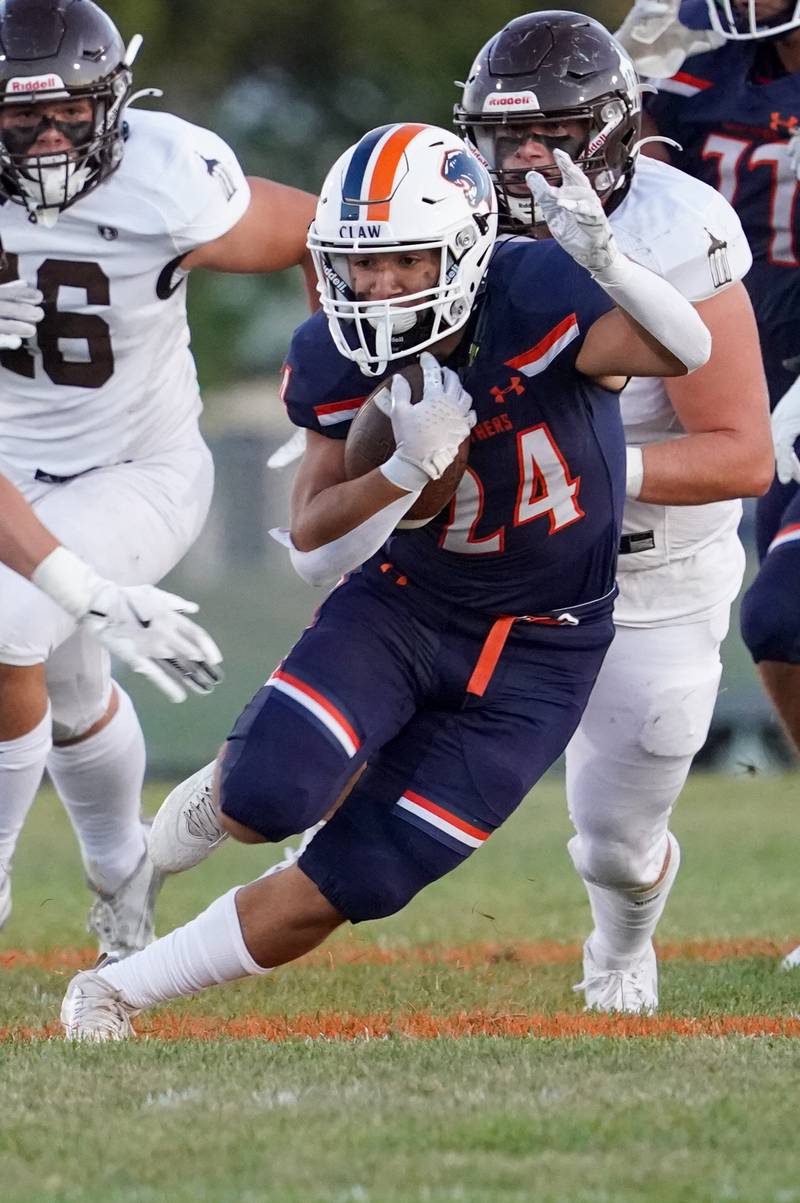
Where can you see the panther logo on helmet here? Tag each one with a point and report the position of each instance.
(463, 169)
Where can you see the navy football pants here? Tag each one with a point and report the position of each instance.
(381, 678)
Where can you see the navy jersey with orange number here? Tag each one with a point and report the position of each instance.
(534, 526)
(732, 111)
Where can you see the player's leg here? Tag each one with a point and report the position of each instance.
(348, 684)
(97, 765)
(770, 615)
(626, 765)
(132, 522)
(431, 796)
(30, 625)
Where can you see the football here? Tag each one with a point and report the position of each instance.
(370, 442)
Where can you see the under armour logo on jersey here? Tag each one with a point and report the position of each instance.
(219, 173)
(778, 123)
(718, 261)
(515, 387)
(110, 233)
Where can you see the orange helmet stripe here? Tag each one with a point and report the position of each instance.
(383, 172)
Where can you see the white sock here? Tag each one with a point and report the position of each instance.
(22, 764)
(100, 781)
(206, 951)
(625, 920)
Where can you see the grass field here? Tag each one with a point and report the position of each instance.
(440, 1055)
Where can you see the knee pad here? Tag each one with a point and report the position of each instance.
(79, 685)
(616, 865)
(770, 616)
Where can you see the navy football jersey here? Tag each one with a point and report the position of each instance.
(732, 110)
(534, 525)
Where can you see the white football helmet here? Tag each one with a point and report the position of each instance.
(745, 20)
(410, 187)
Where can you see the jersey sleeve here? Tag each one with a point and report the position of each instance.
(705, 251)
(551, 301)
(208, 192)
(322, 391)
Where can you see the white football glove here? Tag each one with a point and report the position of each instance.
(428, 434)
(658, 41)
(785, 423)
(575, 215)
(143, 626)
(20, 312)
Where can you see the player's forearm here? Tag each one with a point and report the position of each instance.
(701, 468)
(326, 564)
(24, 541)
(340, 508)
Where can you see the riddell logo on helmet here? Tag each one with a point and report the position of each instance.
(510, 100)
(26, 84)
(23, 86)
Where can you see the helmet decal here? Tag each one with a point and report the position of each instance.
(370, 177)
(28, 85)
(463, 170)
(510, 102)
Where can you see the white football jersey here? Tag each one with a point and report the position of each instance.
(687, 232)
(109, 376)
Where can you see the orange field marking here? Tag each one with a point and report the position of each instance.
(422, 1025)
(467, 956)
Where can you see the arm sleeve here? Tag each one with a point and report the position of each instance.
(326, 564)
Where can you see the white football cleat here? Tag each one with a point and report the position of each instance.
(94, 1010)
(123, 921)
(186, 829)
(5, 897)
(790, 961)
(631, 991)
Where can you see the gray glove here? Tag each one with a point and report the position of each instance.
(20, 312)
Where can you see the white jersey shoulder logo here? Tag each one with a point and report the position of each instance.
(218, 172)
(718, 261)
